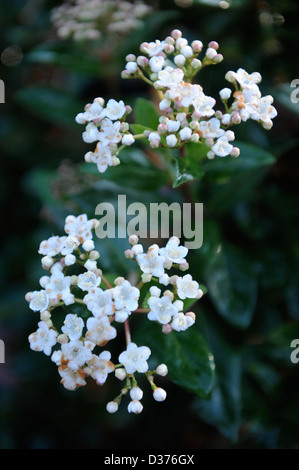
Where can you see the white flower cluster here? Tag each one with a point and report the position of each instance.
(95, 308)
(90, 19)
(188, 115)
(105, 125)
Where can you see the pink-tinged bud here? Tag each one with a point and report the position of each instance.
(235, 152)
(133, 240)
(218, 58)
(168, 49)
(199, 294)
(162, 129)
(143, 47)
(209, 141)
(142, 61)
(129, 254)
(125, 74)
(197, 46)
(128, 109)
(184, 266)
(176, 34)
(236, 118)
(131, 58)
(191, 315)
(169, 40)
(214, 45)
(166, 329)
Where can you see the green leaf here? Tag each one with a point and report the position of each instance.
(56, 106)
(79, 63)
(250, 158)
(186, 354)
(232, 286)
(224, 408)
(146, 114)
(188, 167)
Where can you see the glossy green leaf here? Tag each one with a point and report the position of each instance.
(251, 157)
(56, 106)
(223, 410)
(188, 166)
(146, 114)
(186, 354)
(232, 285)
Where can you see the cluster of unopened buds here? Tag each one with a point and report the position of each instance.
(89, 19)
(187, 114)
(80, 311)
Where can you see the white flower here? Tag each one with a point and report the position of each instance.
(99, 302)
(102, 157)
(173, 126)
(76, 353)
(126, 296)
(161, 309)
(153, 48)
(70, 244)
(39, 300)
(211, 128)
(114, 110)
(151, 262)
(92, 111)
(245, 79)
(79, 227)
(156, 64)
(187, 288)
(135, 407)
(204, 105)
(91, 133)
(186, 93)
(101, 366)
(73, 326)
(52, 246)
(181, 322)
(110, 132)
(58, 288)
(88, 280)
(134, 358)
(174, 251)
(71, 379)
(43, 339)
(122, 315)
(99, 330)
(169, 77)
(222, 148)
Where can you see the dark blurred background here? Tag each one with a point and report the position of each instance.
(249, 321)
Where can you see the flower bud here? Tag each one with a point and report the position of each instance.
(120, 374)
(162, 370)
(159, 394)
(136, 393)
(112, 407)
